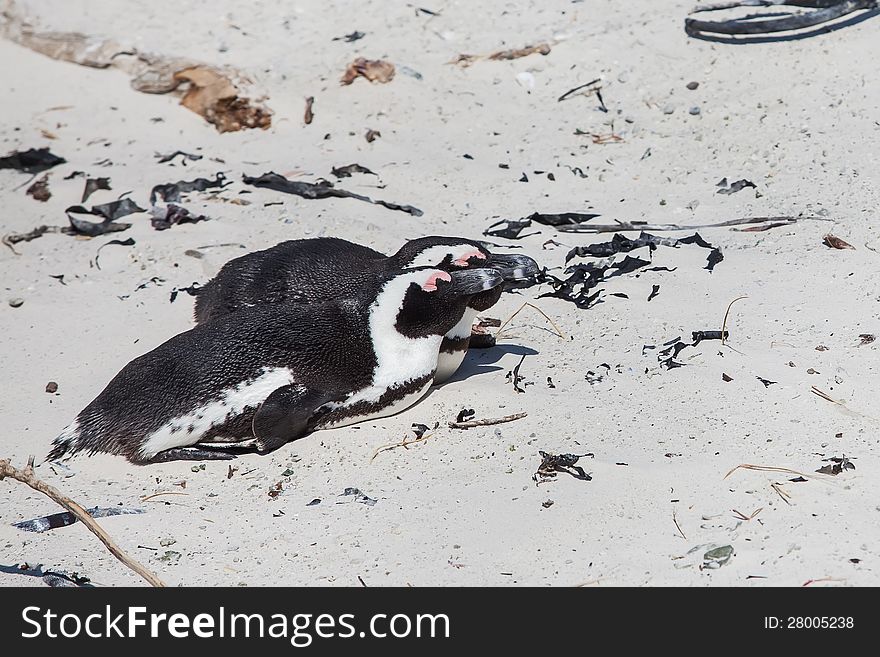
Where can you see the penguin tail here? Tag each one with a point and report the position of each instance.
(65, 443)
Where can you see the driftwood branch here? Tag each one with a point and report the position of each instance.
(757, 223)
(26, 476)
(470, 424)
(823, 11)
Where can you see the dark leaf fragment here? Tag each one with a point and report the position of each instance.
(171, 192)
(93, 185)
(552, 464)
(346, 171)
(40, 189)
(164, 217)
(319, 190)
(733, 188)
(33, 160)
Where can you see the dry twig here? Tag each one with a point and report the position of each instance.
(26, 476)
(486, 423)
(521, 308)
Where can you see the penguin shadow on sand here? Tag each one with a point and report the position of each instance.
(483, 361)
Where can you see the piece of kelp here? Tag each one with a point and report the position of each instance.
(109, 211)
(127, 242)
(93, 185)
(346, 171)
(168, 157)
(192, 290)
(552, 464)
(670, 350)
(319, 190)
(33, 160)
(838, 464)
(163, 217)
(511, 229)
(734, 187)
(561, 219)
(56, 520)
(622, 244)
(171, 192)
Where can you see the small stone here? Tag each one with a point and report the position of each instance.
(669, 109)
(15, 302)
(314, 502)
(288, 473)
(547, 504)
(51, 387)
(693, 85)
(167, 542)
(195, 468)
(694, 111)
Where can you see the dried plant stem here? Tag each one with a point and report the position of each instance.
(26, 476)
(726, 313)
(405, 443)
(523, 307)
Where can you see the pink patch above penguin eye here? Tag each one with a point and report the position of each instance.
(430, 285)
(463, 260)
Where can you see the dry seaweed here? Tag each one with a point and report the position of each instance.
(65, 518)
(309, 114)
(772, 23)
(374, 70)
(357, 496)
(514, 376)
(500, 55)
(552, 464)
(213, 95)
(171, 192)
(837, 465)
(92, 185)
(319, 190)
(347, 170)
(109, 211)
(184, 157)
(622, 244)
(40, 189)
(836, 242)
(192, 290)
(669, 351)
(734, 187)
(33, 160)
(163, 217)
(127, 242)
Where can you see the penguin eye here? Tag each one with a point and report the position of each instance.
(430, 285)
(464, 260)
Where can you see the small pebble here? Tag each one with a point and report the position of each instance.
(51, 387)
(15, 302)
(669, 109)
(166, 542)
(693, 85)
(694, 111)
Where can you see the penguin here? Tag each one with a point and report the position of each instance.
(265, 375)
(324, 268)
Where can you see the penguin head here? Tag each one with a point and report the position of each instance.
(446, 253)
(457, 253)
(427, 301)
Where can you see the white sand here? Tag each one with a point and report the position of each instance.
(798, 118)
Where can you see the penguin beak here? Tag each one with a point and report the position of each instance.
(474, 281)
(514, 267)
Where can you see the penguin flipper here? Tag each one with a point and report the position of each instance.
(285, 415)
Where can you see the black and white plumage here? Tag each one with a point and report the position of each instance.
(326, 268)
(268, 374)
